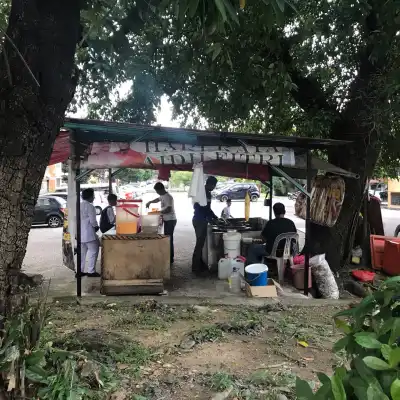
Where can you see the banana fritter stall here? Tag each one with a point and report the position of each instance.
(90, 145)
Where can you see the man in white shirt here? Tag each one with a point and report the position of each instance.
(89, 240)
(167, 212)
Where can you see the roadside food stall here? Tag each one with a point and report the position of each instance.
(93, 145)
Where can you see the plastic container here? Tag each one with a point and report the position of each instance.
(151, 222)
(257, 274)
(235, 282)
(298, 276)
(238, 263)
(224, 268)
(226, 265)
(232, 244)
(128, 217)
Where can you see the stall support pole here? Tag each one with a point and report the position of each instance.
(110, 181)
(271, 189)
(78, 231)
(308, 225)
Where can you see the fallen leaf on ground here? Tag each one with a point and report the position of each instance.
(122, 366)
(302, 343)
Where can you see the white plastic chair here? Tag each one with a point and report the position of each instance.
(287, 252)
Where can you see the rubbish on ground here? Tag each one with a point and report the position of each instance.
(356, 255)
(363, 276)
(324, 278)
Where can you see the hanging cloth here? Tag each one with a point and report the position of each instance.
(197, 191)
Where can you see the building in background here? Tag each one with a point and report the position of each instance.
(54, 178)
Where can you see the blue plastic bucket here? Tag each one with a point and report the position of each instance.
(257, 274)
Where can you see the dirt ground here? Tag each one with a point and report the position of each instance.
(161, 352)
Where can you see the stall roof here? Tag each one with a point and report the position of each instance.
(89, 131)
(93, 133)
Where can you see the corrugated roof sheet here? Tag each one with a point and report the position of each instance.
(89, 131)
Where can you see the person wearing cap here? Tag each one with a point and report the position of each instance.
(202, 216)
(271, 231)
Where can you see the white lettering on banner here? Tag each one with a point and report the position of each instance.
(116, 154)
(176, 154)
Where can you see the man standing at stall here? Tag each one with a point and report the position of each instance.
(202, 216)
(89, 240)
(167, 213)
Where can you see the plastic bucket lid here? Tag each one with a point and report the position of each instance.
(256, 268)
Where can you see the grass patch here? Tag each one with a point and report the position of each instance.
(263, 385)
(208, 333)
(292, 327)
(111, 350)
(221, 381)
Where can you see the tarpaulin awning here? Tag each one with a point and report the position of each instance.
(119, 145)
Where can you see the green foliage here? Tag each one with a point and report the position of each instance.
(372, 345)
(181, 178)
(130, 175)
(207, 333)
(221, 381)
(31, 368)
(282, 186)
(267, 68)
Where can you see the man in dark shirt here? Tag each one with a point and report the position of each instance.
(202, 216)
(271, 231)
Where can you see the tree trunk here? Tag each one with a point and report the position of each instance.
(359, 158)
(34, 93)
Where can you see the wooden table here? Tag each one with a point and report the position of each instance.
(134, 264)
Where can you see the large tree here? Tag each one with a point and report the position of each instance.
(324, 69)
(46, 47)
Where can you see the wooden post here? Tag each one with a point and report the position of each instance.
(308, 225)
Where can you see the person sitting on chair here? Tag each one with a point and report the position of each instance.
(271, 231)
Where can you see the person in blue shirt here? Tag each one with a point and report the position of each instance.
(202, 216)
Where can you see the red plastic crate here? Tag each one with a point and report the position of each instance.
(377, 243)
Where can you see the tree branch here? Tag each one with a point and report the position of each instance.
(308, 93)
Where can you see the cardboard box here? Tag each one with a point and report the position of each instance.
(271, 290)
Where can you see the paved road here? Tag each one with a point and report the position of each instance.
(44, 247)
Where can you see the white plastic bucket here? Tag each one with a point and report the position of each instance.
(232, 244)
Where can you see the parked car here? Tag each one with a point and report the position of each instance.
(61, 195)
(238, 191)
(49, 210)
(99, 199)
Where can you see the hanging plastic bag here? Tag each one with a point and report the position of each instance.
(197, 191)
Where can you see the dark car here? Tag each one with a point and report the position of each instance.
(49, 210)
(62, 195)
(238, 192)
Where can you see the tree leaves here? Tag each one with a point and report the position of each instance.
(395, 390)
(367, 340)
(338, 388)
(303, 390)
(376, 363)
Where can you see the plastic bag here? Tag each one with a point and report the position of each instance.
(197, 191)
(324, 278)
